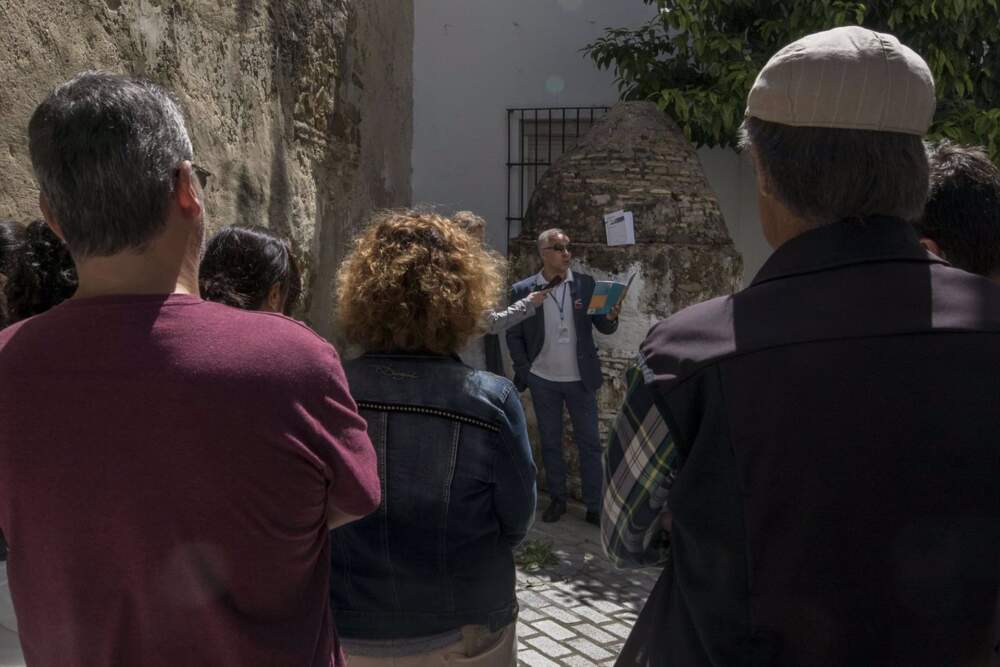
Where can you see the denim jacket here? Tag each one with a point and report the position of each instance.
(458, 494)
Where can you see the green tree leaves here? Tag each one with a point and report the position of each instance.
(698, 58)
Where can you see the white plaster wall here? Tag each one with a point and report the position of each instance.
(731, 176)
(475, 58)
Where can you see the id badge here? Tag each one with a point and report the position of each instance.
(563, 334)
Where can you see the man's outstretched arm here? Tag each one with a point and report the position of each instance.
(640, 464)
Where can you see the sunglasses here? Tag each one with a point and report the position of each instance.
(558, 247)
(202, 174)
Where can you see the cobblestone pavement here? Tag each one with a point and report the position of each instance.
(579, 612)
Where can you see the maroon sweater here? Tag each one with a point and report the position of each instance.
(166, 466)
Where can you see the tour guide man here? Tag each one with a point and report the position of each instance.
(555, 357)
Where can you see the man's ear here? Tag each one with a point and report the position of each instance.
(763, 182)
(187, 193)
(932, 246)
(43, 204)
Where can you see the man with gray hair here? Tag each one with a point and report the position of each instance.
(554, 356)
(169, 467)
(813, 459)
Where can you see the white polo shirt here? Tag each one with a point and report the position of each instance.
(557, 361)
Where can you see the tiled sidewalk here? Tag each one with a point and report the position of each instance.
(579, 612)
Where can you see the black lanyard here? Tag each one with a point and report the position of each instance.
(561, 304)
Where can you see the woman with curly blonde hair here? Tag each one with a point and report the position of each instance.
(429, 577)
(483, 352)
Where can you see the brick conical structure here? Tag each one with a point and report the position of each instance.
(635, 159)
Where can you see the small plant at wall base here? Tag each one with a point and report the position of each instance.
(534, 555)
(698, 58)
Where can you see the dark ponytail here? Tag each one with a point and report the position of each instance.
(37, 270)
(11, 246)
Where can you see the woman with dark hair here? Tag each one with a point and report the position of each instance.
(250, 268)
(11, 240)
(36, 271)
(428, 579)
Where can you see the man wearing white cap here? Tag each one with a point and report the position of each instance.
(814, 459)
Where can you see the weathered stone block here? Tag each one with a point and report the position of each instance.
(301, 108)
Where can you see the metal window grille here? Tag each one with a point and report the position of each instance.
(536, 137)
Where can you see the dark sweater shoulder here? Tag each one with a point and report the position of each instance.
(680, 345)
(181, 335)
(276, 343)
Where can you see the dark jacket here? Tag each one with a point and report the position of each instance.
(458, 493)
(493, 354)
(839, 500)
(525, 340)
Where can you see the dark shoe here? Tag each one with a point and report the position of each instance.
(594, 518)
(555, 510)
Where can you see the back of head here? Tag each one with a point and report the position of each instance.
(835, 121)
(242, 264)
(36, 268)
(415, 281)
(962, 215)
(470, 222)
(12, 240)
(105, 150)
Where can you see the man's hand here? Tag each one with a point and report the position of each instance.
(521, 378)
(538, 297)
(336, 518)
(615, 310)
(666, 521)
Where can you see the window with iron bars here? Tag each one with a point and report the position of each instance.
(536, 137)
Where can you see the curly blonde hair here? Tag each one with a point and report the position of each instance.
(416, 281)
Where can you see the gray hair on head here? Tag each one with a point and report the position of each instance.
(547, 235)
(469, 221)
(105, 150)
(824, 175)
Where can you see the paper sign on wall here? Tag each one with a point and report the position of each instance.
(620, 228)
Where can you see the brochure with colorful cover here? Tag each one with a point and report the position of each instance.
(607, 293)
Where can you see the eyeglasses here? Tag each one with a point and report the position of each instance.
(558, 247)
(202, 174)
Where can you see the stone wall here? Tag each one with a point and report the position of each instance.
(301, 108)
(636, 159)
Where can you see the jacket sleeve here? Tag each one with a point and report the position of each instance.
(340, 440)
(496, 321)
(518, 346)
(641, 462)
(604, 325)
(514, 474)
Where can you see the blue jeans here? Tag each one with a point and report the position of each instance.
(548, 398)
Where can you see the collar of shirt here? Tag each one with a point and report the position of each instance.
(873, 239)
(540, 280)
